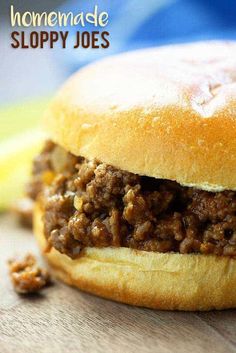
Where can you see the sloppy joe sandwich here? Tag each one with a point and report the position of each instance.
(136, 188)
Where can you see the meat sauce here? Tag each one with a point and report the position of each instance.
(92, 204)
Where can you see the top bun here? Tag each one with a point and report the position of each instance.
(166, 112)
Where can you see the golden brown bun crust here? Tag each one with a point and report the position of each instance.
(165, 112)
(154, 280)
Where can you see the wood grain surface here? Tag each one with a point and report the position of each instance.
(64, 319)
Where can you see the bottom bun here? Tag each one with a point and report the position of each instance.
(167, 281)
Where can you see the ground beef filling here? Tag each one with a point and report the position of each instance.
(90, 203)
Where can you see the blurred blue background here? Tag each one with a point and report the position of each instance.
(132, 24)
(142, 23)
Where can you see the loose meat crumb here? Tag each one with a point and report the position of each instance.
(88, 203)
(26, 276)
(23, 209)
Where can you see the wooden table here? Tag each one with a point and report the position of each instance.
(64, 319)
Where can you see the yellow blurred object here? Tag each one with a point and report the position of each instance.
(16, 156)
(18, 118)
(20, 141)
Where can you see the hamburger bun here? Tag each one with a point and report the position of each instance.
(167, 113)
